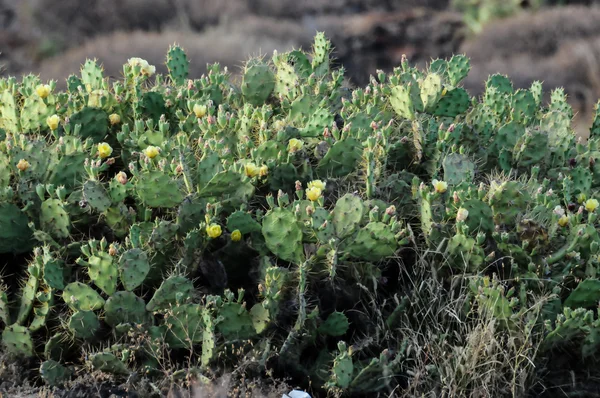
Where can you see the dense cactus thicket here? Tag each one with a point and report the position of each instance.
(278, 224)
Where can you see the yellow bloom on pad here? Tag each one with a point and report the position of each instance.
(43, 90)
(53, 122)
(317, 184)
(236, 235)
(440, 186)
(214, 231)
(151, 151)
(591, 205)
(23, 165)
(104, 150)
(251, 170)
(313, 193)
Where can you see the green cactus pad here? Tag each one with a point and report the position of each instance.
(260, 317)
(458, 68)
(103, 270)
(348, 213)
(458, 168)
(94, 123)
(453, 103)
(236, 322)
(108, 362)
(178, 65)
(96, 196)
(283, 235)
(27, 297)
(125, 307)
(341, 159)
(133, 268)
(53, 373)
(84, 325)
(156, 189)
(166, 294)
(54, 219)
(258, 82)
(79, 296)
(374, 242)
(185, 326)
(585, 295)
(17, 340)
(336, 325)
(91, 75)
(243, 222)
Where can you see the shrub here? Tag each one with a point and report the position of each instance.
(286, 225)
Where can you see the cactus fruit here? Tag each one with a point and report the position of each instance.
(81, 297)
(17, 340)
(84, 325)
(178, 65)
(133, 268)
(283, 235)
(125, 307)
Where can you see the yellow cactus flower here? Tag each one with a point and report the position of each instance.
(462, 214)
(214, 231)
(114, 119)
(263, 171)
(236, 235)
(121, 177)
(53, 122)
(313, 193)
(104, 150)
(316, 184)
(151, 151)
(294, 145)
(145, 67)
(563, 220)
(148, 69)
(251, 170)
(440, 186)
(200, 110)
(591, 205)
(23, 165)
(43, 90)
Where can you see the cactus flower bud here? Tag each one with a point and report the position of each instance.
(591, 205)
(214, 231)
(440, 186)
(462, 214)
(298, 186)
(559, 211)
(563, 220)
(43, 90)
(114, 119)
(53, 121)
(112, 250)
(390, 211)
(151, 152)
(23, 165)
(104, 150)
(121, 177)
(236, 235)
